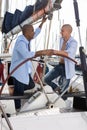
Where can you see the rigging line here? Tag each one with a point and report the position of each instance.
(48, 41)
(11, 39)
(45, 60)
(49, 34)
(6, 5)
(0, 7)
(40, 39)
(8, 45)
(45, 35)
(44, 69)
(47, 46)
(10, 3)
(34, 7)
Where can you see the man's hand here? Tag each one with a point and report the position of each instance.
(44, 52)
(43, 20)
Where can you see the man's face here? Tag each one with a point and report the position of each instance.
(64, 32)
(30, 33)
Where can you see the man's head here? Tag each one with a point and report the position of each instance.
(28, 31)
(66, 31)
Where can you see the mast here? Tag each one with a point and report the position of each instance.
(81, 49)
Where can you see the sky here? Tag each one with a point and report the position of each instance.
(64, 15)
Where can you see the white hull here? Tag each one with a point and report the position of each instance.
(48, 120)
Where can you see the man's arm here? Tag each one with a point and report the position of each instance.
(38, 30)
(43, 21)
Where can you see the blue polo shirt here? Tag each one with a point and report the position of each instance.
(71, 47)
(20, 53)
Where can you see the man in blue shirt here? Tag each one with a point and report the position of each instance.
(66, 67)
(22, 79)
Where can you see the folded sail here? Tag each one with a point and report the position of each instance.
(13, 23)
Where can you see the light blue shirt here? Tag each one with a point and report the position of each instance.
(71, 47)
(20, 53)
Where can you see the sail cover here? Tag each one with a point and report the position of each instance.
(12, 20)
(13, 23)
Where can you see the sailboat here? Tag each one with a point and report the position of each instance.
(52, 112)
